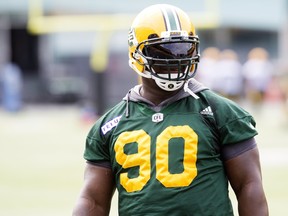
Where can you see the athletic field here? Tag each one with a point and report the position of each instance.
(41, 163)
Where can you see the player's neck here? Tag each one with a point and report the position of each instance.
(156, 95)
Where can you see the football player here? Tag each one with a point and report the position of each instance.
(171, 146)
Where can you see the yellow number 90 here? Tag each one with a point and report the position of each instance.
(142, 157)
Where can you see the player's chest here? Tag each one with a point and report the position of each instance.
(159, 129)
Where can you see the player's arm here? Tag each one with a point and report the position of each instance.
(244, 174)
(96, 194)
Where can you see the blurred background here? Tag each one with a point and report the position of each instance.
(64, 63)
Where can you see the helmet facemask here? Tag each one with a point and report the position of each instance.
(170, 61)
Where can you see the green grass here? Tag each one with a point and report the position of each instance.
(275, 183)
(41, 162)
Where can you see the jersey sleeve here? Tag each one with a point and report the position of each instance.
(96, 148)
(234, 124)
(238, 130)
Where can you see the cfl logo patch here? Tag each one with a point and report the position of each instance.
(157, 117)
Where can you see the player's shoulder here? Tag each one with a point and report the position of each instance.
(117, 109)
(216, 99)
(109, 119)
(222, 106)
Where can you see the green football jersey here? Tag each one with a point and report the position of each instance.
(168, 162)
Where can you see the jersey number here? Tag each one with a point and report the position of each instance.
(142, 158)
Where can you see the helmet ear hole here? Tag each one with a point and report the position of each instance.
(151, 36)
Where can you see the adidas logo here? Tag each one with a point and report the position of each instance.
(207, 111)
